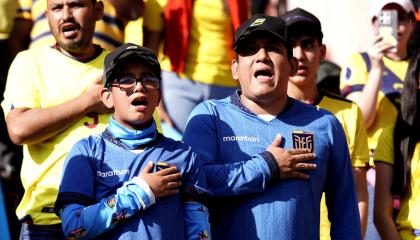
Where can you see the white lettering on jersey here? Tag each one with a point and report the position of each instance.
(113, 173)
(240, 139)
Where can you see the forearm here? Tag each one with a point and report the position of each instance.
(383, 206)
(363, 212)
(367, 101)
(386, 226)
(246, 177)
(30, 126)
(152, 39)
(101, 217)
(362, 196)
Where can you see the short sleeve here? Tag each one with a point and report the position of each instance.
(360, 153)
(385, 150)
(353, 75)
(22, 86)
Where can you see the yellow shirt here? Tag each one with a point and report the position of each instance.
(354, 76)
(350, 117)
(43, 85)
(408, 217)
(209, 56)
(109, 32)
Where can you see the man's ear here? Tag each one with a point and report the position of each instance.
(106, 97)
(293, 66)
(160, 96)
(99, 10)
(323, 52)
(234, 69)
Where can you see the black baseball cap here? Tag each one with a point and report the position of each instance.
(300, 22)
(262, 23)
(129, 52)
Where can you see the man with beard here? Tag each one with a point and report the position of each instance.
(51, 101)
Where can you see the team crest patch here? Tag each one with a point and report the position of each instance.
(257, 22)
(111, 202)
(302, 139)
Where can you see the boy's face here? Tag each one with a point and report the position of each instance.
(133, 107)
(263, 68)
(309, 53)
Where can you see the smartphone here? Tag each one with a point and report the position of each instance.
(387, 27)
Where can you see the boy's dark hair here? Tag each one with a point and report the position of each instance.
(302, 23)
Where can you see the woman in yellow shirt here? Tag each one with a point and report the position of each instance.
(397, 161)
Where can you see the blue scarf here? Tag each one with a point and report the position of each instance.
(132, 138)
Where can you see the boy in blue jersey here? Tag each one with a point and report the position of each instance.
(108, 188)
(243, 164)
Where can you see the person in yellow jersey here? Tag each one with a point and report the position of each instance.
(397, 162)
(50, 102)
(374, 79)
(31, 26)
(304, 30)
(198, 46)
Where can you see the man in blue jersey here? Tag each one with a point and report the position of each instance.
(108, 189)
(245, 167)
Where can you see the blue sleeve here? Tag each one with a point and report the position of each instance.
(78, 171)
(194, 181)
(340, 190)
(197, 225)
(86, 222)
(249, 176)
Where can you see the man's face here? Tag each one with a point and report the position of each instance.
(72, 22)
(133, 108)
(262, 68)
(309, 53)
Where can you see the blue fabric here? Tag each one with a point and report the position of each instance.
(4, 227)
(96, 169)
(229, 138)
(197, 221)
(98, 218)
(132, 138)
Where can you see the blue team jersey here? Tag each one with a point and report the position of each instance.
(99, 164)
(251, 202)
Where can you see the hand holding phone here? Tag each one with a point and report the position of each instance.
(387, 27)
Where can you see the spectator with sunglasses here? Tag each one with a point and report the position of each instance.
(114, 182)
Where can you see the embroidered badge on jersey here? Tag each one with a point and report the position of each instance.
(302, 139)
(111, 202)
